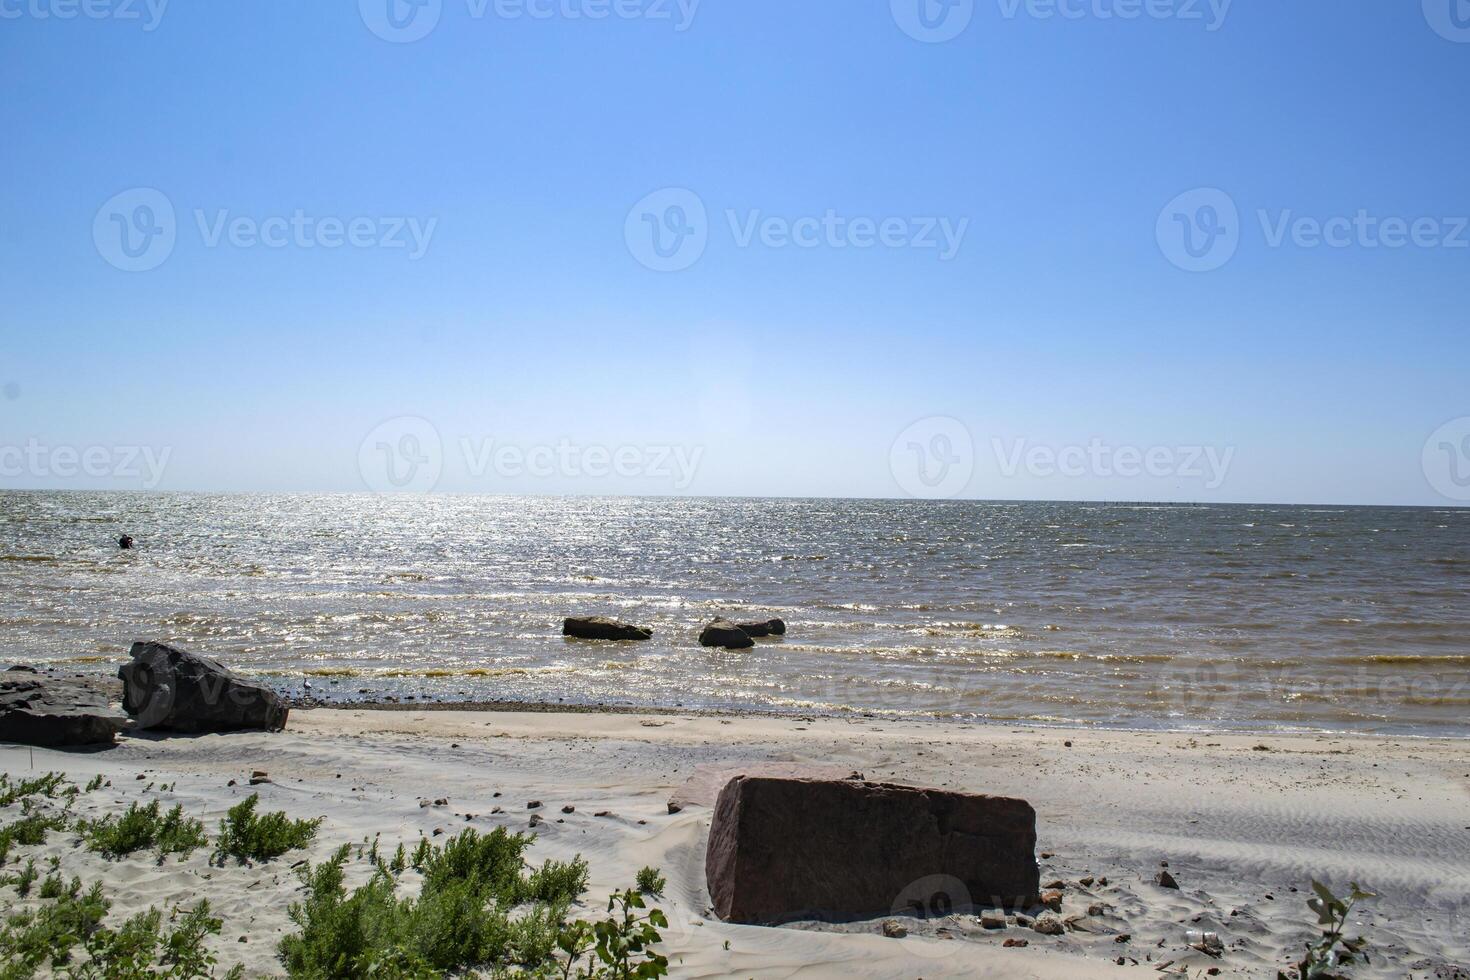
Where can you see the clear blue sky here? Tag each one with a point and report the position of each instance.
(1060, 321)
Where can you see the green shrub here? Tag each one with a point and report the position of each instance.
(95, 784)
(140, 827)
(48, 935)
(28, 830)
(137, 950)
(651, 882)
(23, 879)
(247, 837)
(48, 786)
(476, 909)
(1325, 959)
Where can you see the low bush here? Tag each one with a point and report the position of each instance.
(246, 836)
(139, 949)
(28, 830)
(49, 786)
(477, 909)
(651, 882)
(142, 827)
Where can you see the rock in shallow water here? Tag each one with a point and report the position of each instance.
(771, 627)
(602, 628)
(40, 710)
(784, 849)
(723, 633)
(168, 688)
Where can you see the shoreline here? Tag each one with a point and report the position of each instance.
(578, 708)
(1241, 819)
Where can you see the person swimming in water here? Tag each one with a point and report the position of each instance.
(125, 542)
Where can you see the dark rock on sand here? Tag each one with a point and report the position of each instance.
(168, 688)
(771, 627)
(602, 628)
(723, 633)
(785, 849)
(39, 710)
(1165, 880)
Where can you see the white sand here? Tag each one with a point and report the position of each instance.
(1239, 827)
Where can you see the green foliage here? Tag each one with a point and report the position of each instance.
(617, 948)
(28, 830)
(1325, 958)
(246, 836)
(49, 934)
(139, 949)
(136, 950)
(476, 909)
(48, 786)
(142, 826)
(650, 882)
(95, 784)
(23, 879)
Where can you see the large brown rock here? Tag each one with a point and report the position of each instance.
(839, 850)
(602, 628)
(165, 687)
(36, 709)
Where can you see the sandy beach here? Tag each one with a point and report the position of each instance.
(1243, 822)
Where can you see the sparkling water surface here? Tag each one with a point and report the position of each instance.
(1242, 616)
